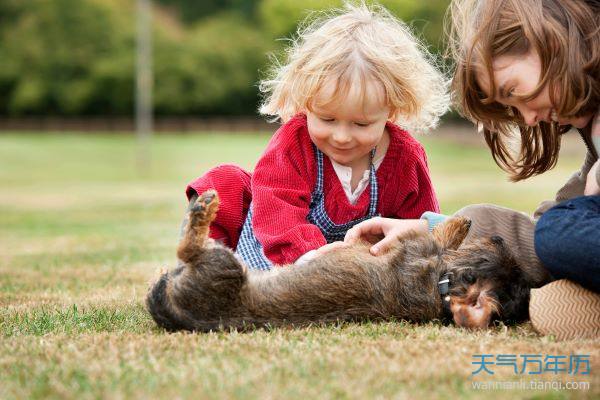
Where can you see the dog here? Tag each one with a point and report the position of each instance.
(425, 277)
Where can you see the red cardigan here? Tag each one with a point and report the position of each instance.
(286, 175)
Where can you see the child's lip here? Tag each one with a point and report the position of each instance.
(342, 148)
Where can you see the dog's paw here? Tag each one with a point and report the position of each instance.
(462, 225)
(205, 208)
(451, 233)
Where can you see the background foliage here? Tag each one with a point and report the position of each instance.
(77, 57)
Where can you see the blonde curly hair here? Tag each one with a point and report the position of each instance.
(354, 46)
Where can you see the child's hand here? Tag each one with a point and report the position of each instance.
(311, 255)
(591, 184)
(384, 232)
(330, 247)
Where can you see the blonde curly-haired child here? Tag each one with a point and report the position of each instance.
(355, 82)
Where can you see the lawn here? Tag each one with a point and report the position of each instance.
(83, 230)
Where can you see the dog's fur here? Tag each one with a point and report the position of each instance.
(214, 290)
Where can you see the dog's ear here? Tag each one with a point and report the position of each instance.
(451, 233)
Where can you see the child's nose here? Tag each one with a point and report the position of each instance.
(341, 135)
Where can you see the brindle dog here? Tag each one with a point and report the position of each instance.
(424, 277)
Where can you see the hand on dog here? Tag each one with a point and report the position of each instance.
(384, 232)
(311, 255)
(330, 247)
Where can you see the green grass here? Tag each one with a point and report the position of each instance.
(83, 231)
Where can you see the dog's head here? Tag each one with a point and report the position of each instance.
(485, 281)
(486, 284)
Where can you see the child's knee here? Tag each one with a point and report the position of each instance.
(232, 184)
(560, 238)
(548, 239)
(229, 180)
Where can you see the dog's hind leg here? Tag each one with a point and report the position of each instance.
(204, 292)
(195, 237)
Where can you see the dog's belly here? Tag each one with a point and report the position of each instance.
(342, 285)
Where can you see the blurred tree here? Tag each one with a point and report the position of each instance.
(54, 54)
(194, 10)
(280, 18)
(425, 17)
(9, 10)
(213, 70)
(76, 57)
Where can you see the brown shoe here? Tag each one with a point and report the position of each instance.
(566, 310)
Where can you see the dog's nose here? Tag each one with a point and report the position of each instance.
(497, 240)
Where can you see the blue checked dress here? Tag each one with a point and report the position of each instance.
(250, 249)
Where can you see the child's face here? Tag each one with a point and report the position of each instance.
(346, 132)
(518, 76)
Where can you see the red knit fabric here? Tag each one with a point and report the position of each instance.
(285, 177)
(232, 184)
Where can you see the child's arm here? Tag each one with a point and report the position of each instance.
(282, 184)
(416, 195)
(384, 233)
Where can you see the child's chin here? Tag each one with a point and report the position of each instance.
(342, 161)
(345, 160)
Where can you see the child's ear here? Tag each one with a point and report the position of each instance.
(451, 233)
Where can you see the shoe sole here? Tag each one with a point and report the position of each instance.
(566, 310)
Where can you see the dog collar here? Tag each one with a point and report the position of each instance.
(444, 289)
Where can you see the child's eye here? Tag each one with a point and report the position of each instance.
(362, 124)
(325, 119)
(510, 92)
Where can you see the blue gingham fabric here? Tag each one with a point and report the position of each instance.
(250, 249)
(317, 214)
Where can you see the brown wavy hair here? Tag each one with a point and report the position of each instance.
(565, 35)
